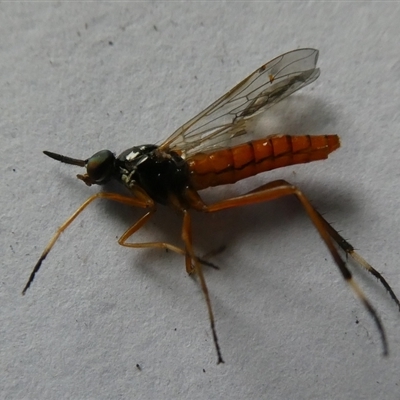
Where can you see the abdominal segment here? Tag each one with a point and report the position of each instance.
(239, 162)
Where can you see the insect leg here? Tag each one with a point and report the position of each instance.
(131, 201)
(192, 261)
(349, 250)
(281, 188)
(136, 226)
(160, 245)
(190, 256)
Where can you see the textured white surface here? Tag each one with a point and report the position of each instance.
(76, 78)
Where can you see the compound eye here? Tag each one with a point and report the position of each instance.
(100, 167)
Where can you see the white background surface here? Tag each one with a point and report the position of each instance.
(286, 321)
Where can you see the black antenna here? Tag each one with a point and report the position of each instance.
(65, 159)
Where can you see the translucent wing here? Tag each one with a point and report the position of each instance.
(225, 118)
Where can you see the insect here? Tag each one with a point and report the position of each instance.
(201, 154)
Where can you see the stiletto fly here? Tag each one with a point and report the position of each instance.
(201, 154)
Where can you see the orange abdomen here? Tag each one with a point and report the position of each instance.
(235, 163)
